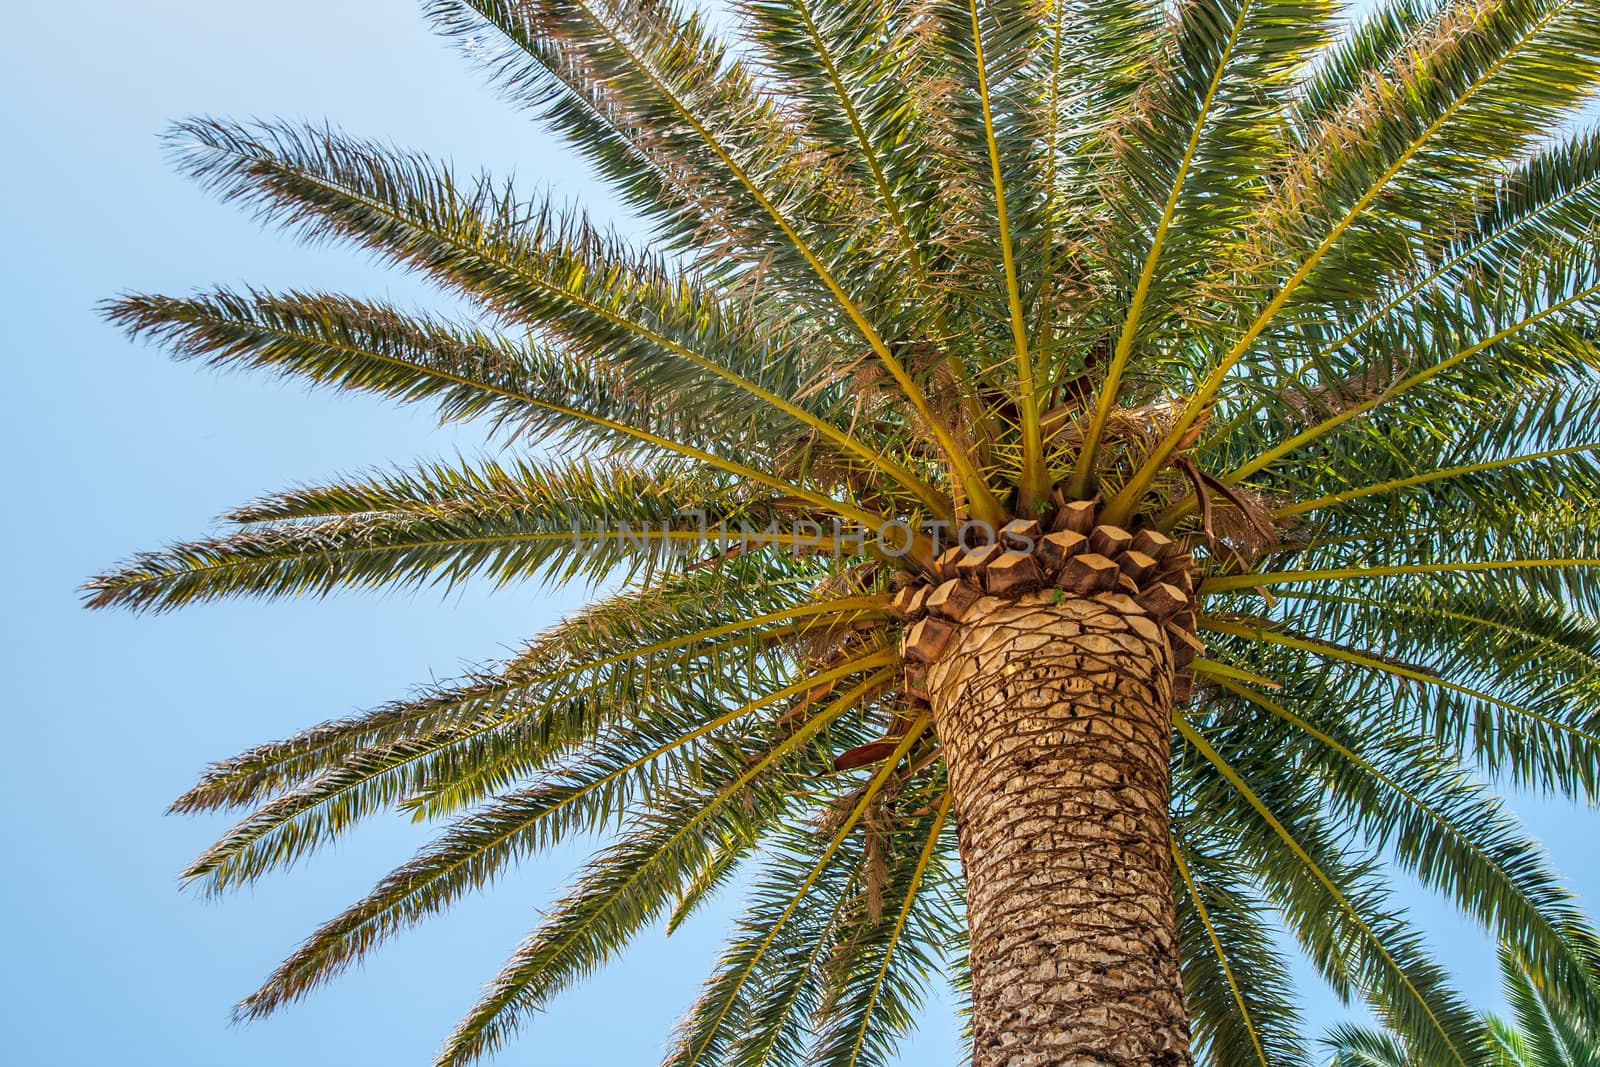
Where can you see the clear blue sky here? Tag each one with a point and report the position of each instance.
(112, 448)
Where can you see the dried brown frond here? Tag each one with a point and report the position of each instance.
(1326, 399)
(1246, 524)
(1138, 429)
(877, 873)
(860, 579)
(831, 818)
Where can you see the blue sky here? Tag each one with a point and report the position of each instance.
(113, 448)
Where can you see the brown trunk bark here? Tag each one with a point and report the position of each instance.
(1055, 720)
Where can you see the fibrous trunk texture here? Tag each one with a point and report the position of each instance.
(1055, 719)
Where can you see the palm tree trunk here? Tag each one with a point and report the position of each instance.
(1056, 723)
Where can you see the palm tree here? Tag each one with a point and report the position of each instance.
(1076, 485)
(1544, 1032)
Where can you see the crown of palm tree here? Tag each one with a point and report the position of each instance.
(1316, 307)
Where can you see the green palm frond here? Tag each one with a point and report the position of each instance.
(757, 1005)
(1551, 1032)
(545, 74)
(1336, 908)
(691, 107)
(632, 882)
(473, 740)
(440, 526)
(1177, 172)
(581, 793)
(1543, 1031)
(903, 934)
(838, 61)
(716, 1020)
(1478, 94)
(687, 625)
(1237, 984)
(1347, 67)
(1456, 839)
(1368, 1048)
